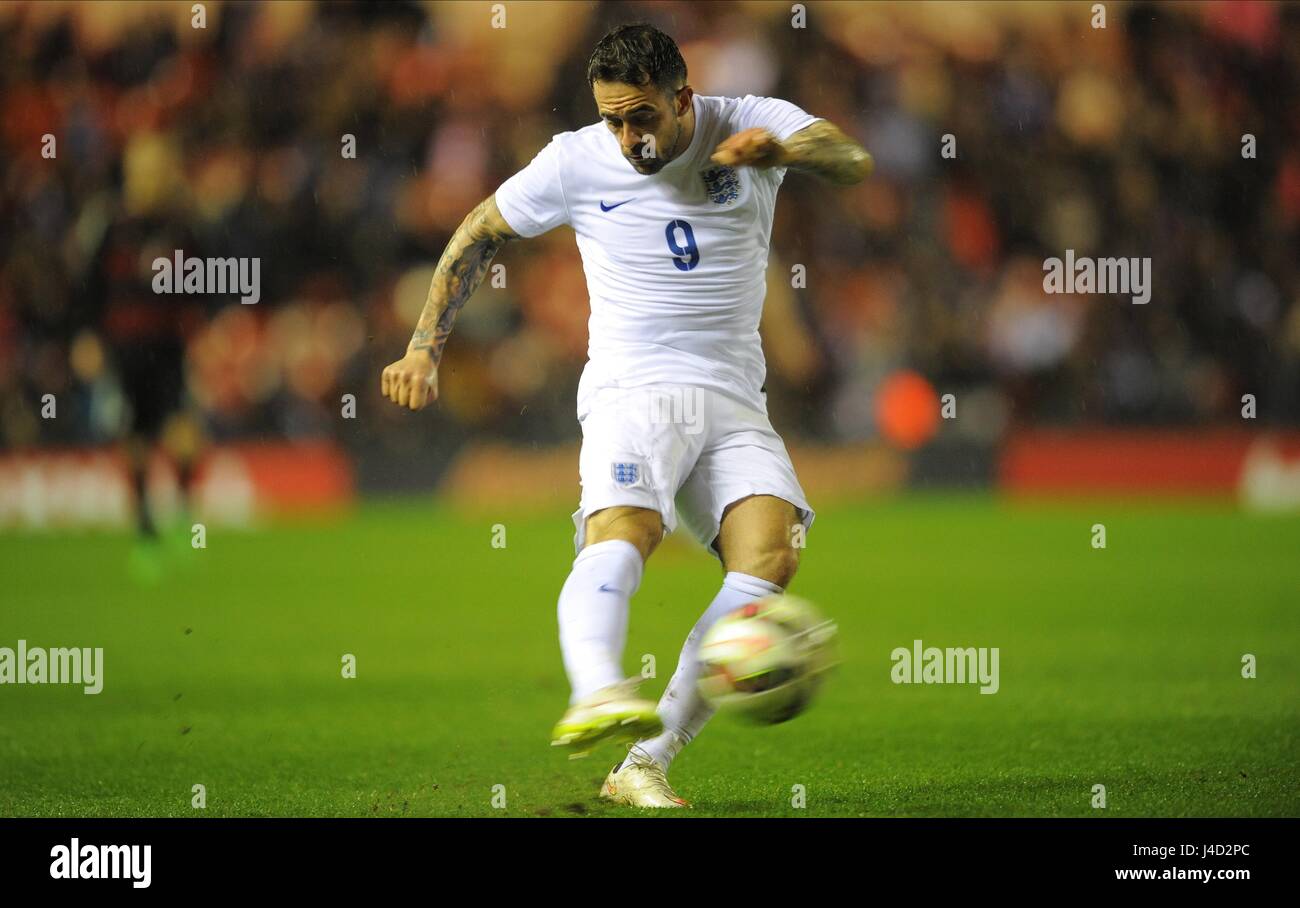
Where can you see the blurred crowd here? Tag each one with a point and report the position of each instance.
(231, 140)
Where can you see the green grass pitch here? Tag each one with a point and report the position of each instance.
(1119, 667)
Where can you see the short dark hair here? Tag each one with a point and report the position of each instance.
(637, 54)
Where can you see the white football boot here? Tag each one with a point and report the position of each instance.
(641, 783)
(612, 714)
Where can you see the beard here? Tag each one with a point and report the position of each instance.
(654, 165)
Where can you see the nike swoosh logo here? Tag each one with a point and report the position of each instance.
(604, 207)
(606, 588)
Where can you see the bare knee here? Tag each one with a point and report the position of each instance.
(774, 563)
(757, 538)
(642, 527)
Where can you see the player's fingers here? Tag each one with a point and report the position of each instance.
(724, 155)
(419, 393)
(403, 395)
(759, 146)
(742, 148)
(759, 141)
(383, 381)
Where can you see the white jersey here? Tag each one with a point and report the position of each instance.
(675, 261)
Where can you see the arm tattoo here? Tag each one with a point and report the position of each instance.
(461, 269)
(822, 149)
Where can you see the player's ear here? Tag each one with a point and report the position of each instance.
(682, 102)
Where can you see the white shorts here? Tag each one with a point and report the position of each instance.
(680, 450)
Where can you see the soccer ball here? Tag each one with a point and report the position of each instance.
(764, 661)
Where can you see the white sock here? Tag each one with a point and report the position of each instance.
(593, 614)
(681, 708)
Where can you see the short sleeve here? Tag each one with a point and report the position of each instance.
(781, 118)
(532, 201)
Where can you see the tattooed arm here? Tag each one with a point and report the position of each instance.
(820, 149)
(412, 381)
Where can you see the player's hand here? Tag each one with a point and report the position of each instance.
(751, 148)
(412, 381)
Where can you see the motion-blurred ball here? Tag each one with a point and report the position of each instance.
(764, 661)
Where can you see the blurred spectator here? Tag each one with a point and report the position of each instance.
(228, 141)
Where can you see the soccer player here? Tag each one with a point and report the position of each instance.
(671, 196)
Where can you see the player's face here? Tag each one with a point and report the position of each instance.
(646, 121)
